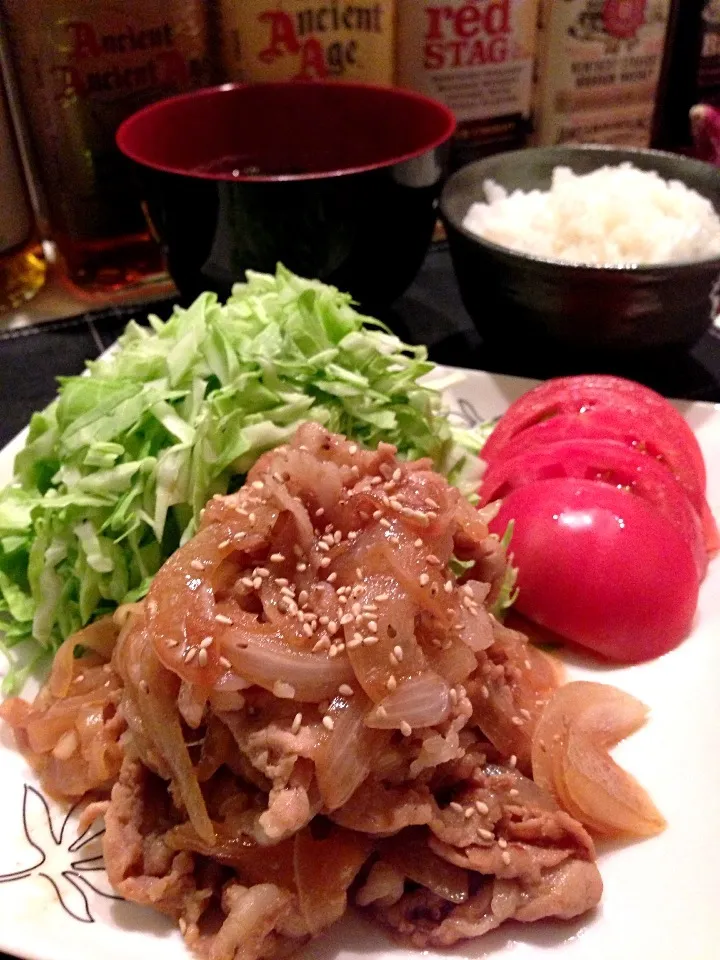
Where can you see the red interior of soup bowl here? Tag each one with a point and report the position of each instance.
(293, 130)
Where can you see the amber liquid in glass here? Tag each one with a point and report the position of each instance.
(84, 66)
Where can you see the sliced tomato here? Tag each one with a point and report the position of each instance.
(600, 567)
(644, 409)
(603, 406)
(608, 461)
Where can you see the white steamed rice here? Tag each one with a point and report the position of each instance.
(614, 215)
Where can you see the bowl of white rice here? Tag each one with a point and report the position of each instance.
(587, 246)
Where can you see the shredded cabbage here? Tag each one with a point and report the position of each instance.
(116, 470)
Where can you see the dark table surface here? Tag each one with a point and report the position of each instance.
(431, 312)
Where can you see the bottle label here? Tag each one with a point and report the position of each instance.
(306, 40)
(85, 67)
(15, 222)
(598, 71)
(474, 55)
(709, 69)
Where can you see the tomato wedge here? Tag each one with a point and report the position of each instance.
(639, 405)
(612, 408)
(600, 567)
(608, 461)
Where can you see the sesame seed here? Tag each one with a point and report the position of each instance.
(322, 644)
(391, 683)
(307, 630)
(381, 712)
(370, 641)
(397, 652)
(397, 474)
(469, 812)
(224, 662)
(484, 691)
(301, 567)
(79, 678)
(257, 583)
(322, 546)
(182, 924)
(332, 627)
(525, 713)
(303, 597)
(429, 502)
(202, 657)
(333, 651)
(424, 579)
(355, 470)
(453, 695)
(325, 562)
(221, 618)
(352, 449)
(251, 518)
(394, 662)
(505, 857)
(448, 588)
(206, 642)
(375, 481)
(247, 582)
(320, 511)
(328, 723)
(346, 690)
(514, 792)
(382, 597)
(277, 557)
(372, 626)
(457, 807)
(485, 834)
(359, 573)
(223, 544)
(190, 655)
(283, 690)
(172, 643)
(512, 762)
(482, 808)
(517, 721)
(502, 843)
(405, 728)
(197, 565)
(358, 637)
(297, 723)
(418, 542)
(352, 644)
(384, 522)
(352, 535)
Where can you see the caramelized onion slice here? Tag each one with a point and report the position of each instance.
(324, 870)
(422, 701)
(570, 758)
(346, 753)
(265, 659)
(409, 853)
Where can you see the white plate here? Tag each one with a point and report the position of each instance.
(662, 896)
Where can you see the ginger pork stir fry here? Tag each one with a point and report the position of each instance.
(310, 710)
